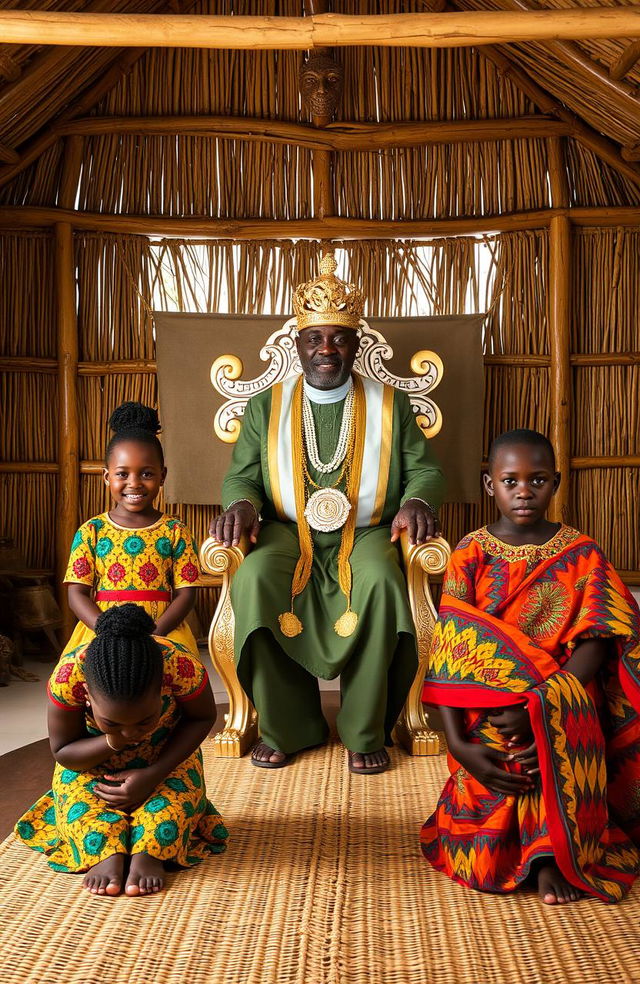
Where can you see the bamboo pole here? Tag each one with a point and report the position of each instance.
(73, 155)
(559, 346)
(332, 136)
(623, 65)
(431, 30)
(337, 227)
(558, 178)
(259, 229)
(68, 433)
(606, 461)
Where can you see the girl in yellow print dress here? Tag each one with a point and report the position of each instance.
(134, 552)
(127, 714)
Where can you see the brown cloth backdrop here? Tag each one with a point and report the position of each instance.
(188, 344)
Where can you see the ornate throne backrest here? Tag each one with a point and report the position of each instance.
(280, 353)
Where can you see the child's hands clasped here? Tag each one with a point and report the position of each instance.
(134, 786)
(514, 724)
(486, 765)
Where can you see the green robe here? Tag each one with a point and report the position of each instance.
(383, 644)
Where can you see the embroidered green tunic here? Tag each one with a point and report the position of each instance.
(398, 465)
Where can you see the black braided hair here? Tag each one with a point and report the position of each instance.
(521, 436)
(123, 662)
(133, 421)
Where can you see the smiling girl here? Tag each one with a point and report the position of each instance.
(535, 664)
(134, 552)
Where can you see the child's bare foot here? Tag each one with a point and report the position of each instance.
(106, 877)
(554, 887)
(146, 875)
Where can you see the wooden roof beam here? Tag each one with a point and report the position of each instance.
(627, 60)
(335, 136)
(430, 30)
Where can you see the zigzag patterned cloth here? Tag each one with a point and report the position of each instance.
(509, 619)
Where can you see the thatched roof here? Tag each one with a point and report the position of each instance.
(43, 88)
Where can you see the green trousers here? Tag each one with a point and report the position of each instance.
(287, 697)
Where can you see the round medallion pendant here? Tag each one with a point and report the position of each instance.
(327, 510)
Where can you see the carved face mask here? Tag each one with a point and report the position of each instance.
(321, 85)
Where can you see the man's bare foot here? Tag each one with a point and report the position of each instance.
(369, 763)
(554, 887)
(265, 757)
(106, 877)
(146, 875)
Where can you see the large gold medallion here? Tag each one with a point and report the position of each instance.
(327, 510)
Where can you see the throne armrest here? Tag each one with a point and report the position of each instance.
(421, 560)
(240, 730)
(218, 560)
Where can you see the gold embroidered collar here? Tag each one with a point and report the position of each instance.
(526, 551)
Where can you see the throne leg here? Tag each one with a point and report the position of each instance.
(241, 722)
(413, 730)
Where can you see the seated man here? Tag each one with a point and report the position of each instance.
(337, 467)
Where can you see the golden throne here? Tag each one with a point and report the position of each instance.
(412, 730)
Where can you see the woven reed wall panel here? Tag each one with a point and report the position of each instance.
(443, 181)
(592, 182)
(28, 515)
(31, 433)
(156, 175)
(606, 285)
(604, 504)
(114, 320)
(606, 413)
(38, 183)
(517, 319)
(422, 83)
(27, 300)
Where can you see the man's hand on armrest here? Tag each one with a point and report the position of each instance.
(241, 517)
(418, 519)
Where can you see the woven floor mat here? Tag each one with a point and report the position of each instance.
(323, 883)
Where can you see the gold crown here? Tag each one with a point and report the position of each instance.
(327, 300)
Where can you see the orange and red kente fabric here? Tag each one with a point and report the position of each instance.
(509, 619)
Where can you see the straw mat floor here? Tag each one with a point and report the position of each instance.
(322, 884)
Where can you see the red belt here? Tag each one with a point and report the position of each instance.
(133, 596)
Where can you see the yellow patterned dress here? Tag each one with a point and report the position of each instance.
(76, 829)
(142, 566)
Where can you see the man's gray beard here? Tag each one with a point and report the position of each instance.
(322, 383)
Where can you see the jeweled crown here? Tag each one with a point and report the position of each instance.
(327, 300)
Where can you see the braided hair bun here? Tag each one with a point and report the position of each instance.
(124, 661)
(125, 621)
(134, 421)
(134, 416)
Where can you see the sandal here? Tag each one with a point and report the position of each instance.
(368, 770)
(269, 765)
